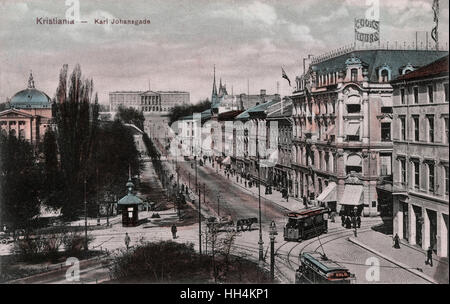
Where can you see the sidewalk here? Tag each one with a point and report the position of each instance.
(407, 257)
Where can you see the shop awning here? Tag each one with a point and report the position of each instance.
(352, 195)
(352, 129)
(330, 131)
(227, 161)
(328, 194)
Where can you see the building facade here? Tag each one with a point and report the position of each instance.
(149, 102)
(343, 126)
(29, 115)
(421, 156)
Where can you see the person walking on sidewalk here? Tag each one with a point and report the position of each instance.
(127, 240)
(429, 260)
(174, 231)
(396, 241)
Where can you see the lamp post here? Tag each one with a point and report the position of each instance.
(260, 242)
(355, 211)
(218, 205)
(272, 233)
(85, 218)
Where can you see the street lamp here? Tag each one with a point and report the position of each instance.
(85, 218)
(355, 212)
(272, 233)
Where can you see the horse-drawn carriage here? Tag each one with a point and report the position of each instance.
(215, 224)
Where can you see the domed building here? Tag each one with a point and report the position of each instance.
(29, 115)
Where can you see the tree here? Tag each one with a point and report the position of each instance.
(20, 182)
(115, 153)
(184, 110)
(53, 186)
(76, 115)
(131, 116)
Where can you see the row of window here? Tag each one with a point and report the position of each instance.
(430, 125)
(415, 94)
(430, 175)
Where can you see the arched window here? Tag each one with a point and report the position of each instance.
(384, 74)
(353, 164)
(354, 75)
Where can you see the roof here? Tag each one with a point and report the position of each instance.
(395, 59)
(287, 110)
(30, 98)
(129, 199)
(256, 109)
(325, 265)
(307, 212)
(205, 115)
(229, 115)
(434, 69)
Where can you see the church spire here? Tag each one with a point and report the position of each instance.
(31, 81)
(214, 90)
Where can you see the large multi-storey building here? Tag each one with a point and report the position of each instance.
(421, 156)
(149, 102)
(343, 124)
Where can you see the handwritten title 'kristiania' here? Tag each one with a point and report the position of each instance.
(61, 21)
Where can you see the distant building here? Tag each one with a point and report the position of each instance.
(29, 116)
(421, 156)
(149, 102)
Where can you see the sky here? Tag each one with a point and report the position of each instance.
(247, 41)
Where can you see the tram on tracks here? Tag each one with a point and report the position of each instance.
(305, 224)
(315, 268)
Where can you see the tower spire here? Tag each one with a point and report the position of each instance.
(214, 90)
(31, 80)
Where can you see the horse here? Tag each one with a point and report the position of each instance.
(248, 222)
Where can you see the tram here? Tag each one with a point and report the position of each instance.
(317, 269)
(305, 224)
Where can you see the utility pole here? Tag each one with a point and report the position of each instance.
(199, 222)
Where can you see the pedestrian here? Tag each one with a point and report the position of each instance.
(429, 260)
(343, 219)
(358, 221)
(348, 223)
(127, 240)
(396, 241)
(174, 231)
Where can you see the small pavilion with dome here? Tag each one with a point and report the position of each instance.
(129, 206)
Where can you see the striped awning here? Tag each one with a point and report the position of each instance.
(328, 194)
(352, 195)
(352, 129)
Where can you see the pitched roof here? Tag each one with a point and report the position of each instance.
(256, 109)
(436, 68)
(395, 59)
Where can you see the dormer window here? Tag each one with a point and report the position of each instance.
(354, 75)
(384, 75)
